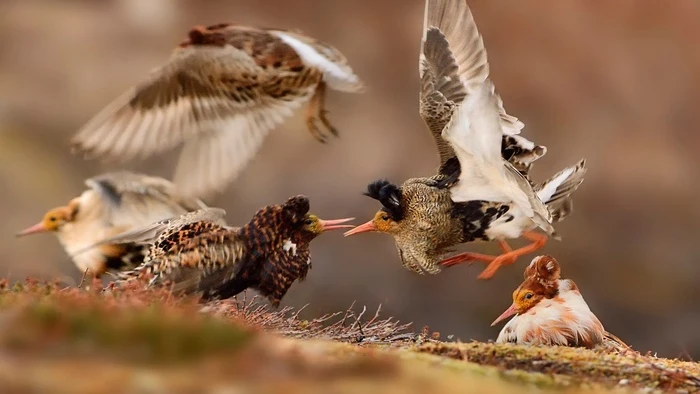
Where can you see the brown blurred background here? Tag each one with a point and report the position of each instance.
(616, 82)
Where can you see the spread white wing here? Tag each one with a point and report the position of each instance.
(453, 54)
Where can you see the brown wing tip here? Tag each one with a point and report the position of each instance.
(205, 35)
(77, 148)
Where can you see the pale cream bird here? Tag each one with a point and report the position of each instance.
(549, 311)
(220, 93)
(113, 203)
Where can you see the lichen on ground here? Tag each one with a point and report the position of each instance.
(56, 339)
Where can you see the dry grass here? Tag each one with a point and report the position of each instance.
(343, 326)
(55, 339)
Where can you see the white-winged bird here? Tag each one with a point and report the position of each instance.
(482, 190)
(197, 253)
(221, 92)
(114, 203)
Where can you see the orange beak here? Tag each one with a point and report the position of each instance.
(512, 310)
(363, 228)
(335, 224)
(37, 228)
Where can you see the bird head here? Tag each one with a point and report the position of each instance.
(53, 220)
(541, 281)
(310, 226)
(387, 219)
(313, 226)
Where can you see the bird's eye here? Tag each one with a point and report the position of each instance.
(308, 222)
(528, 296)
(385, 217)
(52, 219)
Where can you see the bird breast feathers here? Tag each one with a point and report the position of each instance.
(555, 321)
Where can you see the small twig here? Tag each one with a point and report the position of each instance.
(359, 324)
(376, 315)
(82, 280)
(347, 311)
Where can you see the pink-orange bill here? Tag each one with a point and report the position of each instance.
(369, 226)
(37, 228)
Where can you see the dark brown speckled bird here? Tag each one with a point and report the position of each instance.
(221, 92)
(482, 190)
(198, 253)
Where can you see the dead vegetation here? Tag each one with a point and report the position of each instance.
(135, 340)
(343, 326)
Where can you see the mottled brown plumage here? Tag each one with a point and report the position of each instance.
(482, 190)
(197, 253)
(223, 89)
(114, 203)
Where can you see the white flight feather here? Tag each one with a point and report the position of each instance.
(337, 77)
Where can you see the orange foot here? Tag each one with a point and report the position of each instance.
(470, 258)
(538, 240)
(508, 257)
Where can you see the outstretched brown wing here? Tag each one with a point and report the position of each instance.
(215, 99)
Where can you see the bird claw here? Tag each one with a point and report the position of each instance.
(326, 128)
(323, 116)
(315, 131)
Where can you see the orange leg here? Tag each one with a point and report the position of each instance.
(538, 240)
(505, 247)
(470, 258)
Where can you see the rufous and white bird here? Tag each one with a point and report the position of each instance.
(548, 310)
(220, 93)
(482, 191)
(113, 203)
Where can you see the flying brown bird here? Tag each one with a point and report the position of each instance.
(198, 253)
(221, 92)
(114, 203)
(482, 190)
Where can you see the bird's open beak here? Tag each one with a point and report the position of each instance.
(369, 226)
(335, 224)
(512, 310)
(37, 228)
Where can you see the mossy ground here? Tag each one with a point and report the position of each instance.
(55, 339)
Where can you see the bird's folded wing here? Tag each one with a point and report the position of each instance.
(135, 200)
(536, 209)
(207, 269)
(162, 229)
(194, 259)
